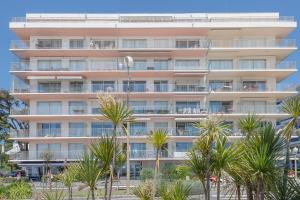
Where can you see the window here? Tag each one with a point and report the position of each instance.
(75, 150)
(186, 129)
(49, 108)
(138, 150)
(140, 65)
(77, 65)
(161, 107)
(221, 106)
(76, 43)
(103, 44)
(77, 107)
(134, 86)
(49, 87)
(138, 128)
(103, 86)
(187, 64)
(134, 43)
(49, 44)
(139, 107)
(188, 107)
(77, 129)
(220, 85)
(49, 65)
(220, 64)
(76, 86)
(250, 64)
(188, 44)
(183, 146)
(161, 86)
(161, 125)
(254, 85)
(49, 129)
(102, 129)
(161, 64)
(53, 149)
(253, 107)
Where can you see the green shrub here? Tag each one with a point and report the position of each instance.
(172, 171)
(16, 190)
(146, 174)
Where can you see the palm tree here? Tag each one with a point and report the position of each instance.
(260, 158)
(89, 172)
(68, 177)
(223, 158)
(249, 125)
(279, 191)
(211, 129)
(103, 150)
(158, 138)
(117, 112)
(197, 165)
(292, 107)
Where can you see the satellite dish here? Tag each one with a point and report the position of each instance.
(129, 61)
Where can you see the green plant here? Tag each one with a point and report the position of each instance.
(89, 172)
(292, 107)
(146, 174)
(210, 130)
(175, 191)
(18, 190)
(145, 190)
(53, 195)
(279, 191)
(68, 177)
(117, 112)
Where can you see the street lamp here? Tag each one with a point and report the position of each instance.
(295, 152)
(128, 60)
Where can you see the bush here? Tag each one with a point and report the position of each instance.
(144, 191)
(15, 191)
(146, 174)
(171, 172)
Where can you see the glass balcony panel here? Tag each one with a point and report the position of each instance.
(134, 86)
(103, 86)
(49, 65)
(221, 106)
(49, 108)
(217, 85)
(77, 129)
(77, 107)
(103, 44)
(187, 64)
(160, 86)
(138, 128)
(140, 65)
(188, 107)
(186, 129)
(101, 129)
(252, 64)
(76, 43)
(76, 87)
(161, 64)
(77, 65)
(49, 44)
(75, 150)
(49, 87)
(254, 86)
(49, 129)
(134, 43)
(220, 64)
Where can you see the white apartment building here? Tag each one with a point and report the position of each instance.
(186, 67)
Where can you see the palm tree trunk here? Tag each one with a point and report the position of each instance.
(113, 162)
(105, 187)
(156, 171)
(208, 173)
(287, 164)
(204, 189)
(218, 185)
(93, 194)
(261, 189)
(238, 192)
(249, 191)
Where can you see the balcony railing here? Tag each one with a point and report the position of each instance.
(149, 66)
(200, 44)
(240, 108)
(119, 88)
(155, 19)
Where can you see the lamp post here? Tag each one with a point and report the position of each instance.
(295, 151)
(129, 63)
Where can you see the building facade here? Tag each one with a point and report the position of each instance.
(186, 67)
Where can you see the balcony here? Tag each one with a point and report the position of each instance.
(166, 44)
(83, 88)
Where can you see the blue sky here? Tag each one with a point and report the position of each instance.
(18, 8)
